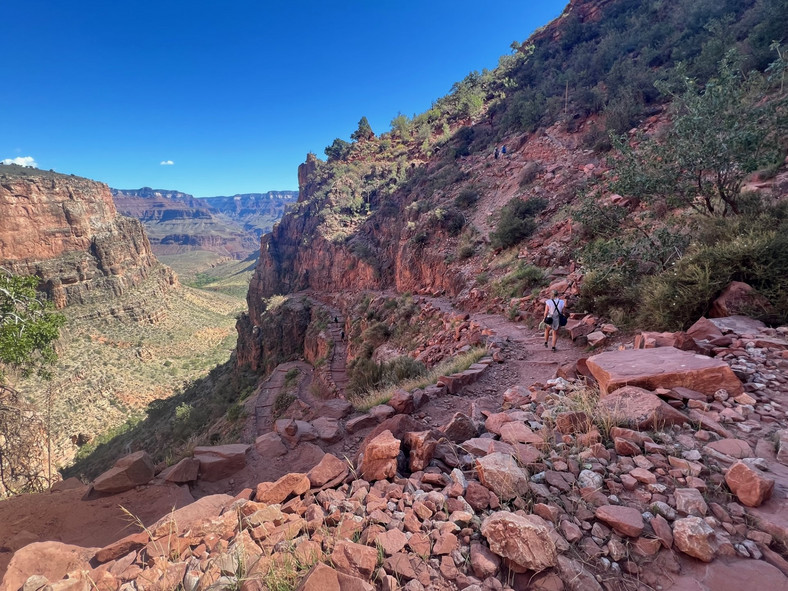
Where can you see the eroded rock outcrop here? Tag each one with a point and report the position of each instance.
(66, 231)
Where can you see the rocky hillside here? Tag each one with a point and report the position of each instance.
(228, 226)
(512, 183)
(66, 230)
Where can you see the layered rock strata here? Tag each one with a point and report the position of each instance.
(66, 231)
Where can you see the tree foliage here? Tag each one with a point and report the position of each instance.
(720, 134)
(28, 330)
(338, 150)
(28, 325)
(364, 131)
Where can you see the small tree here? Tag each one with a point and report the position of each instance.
(364, 131)
(720, 134)
(401, 126)
(338, 150)
(28, 329)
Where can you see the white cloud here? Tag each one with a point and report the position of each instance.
(166, 163)
(28, 161)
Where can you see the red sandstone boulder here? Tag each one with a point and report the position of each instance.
(523, 541)
(191, 516)
(379, 459)
(678, 340)
(741, 325)
(354, 559)
(52, 560)
(663, 367)
(128, 472)
(422, 449)
(639, 409)
(693, 536)
(335, 408)
(624, 520)
(220, 461)
(735, 448)
(748, 484)
(402, 402)
(484, 562)
(270, 445)
(322, 577)
(279, 491)
(460, 428)
(327, 429)
(184, 471)
(704, 330)
(738, 298)
(501, 474)
(330, 469)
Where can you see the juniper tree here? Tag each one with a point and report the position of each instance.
(720, 134)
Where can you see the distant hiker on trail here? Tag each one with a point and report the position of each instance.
(553, 317)
(336, 320)
(342, 335)
(496, 152)
(503, 150)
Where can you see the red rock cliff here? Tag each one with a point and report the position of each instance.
(66, 231)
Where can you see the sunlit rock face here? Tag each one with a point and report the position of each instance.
(66, 231)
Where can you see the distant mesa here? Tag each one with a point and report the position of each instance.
(177, 222)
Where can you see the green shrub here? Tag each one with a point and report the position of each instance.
(524, 278)
(466, 251)
(597, 219)
(677, 297)
(515, 222)
(377, 333)
(467, 197)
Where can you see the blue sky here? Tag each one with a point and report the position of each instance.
(232, 94)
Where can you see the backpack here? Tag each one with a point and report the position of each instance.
(561, 318)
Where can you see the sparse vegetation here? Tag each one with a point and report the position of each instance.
(365, 399)
(516, 283)
(516, 222)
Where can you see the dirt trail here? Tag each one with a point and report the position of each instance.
(528, 359)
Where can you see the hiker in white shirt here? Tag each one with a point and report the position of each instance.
(553, 311)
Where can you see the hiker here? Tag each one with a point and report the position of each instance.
(503, 150)
(496, 152)
(342, 335)
(553, 316)
(336, 320)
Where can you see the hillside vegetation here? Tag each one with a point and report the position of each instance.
(704, 84)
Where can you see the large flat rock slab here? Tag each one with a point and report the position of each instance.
(738, 324)
(662, 367)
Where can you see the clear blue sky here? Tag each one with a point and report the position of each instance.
(233, 94)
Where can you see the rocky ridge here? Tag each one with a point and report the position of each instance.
(177, 222)
(66, 231)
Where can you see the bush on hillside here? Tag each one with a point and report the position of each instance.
(720, 134)
(519, 282)
(467, 197)
(366, 375)
(516, 221)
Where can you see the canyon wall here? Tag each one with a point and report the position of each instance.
(65, 230)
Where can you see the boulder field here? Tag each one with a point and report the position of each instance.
(563, 486)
